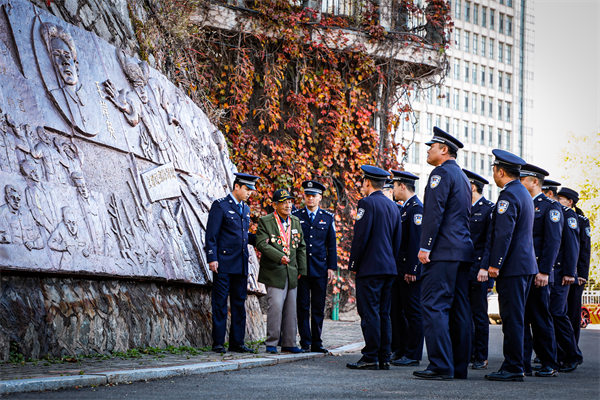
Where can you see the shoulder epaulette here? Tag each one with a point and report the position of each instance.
(583, 217)
(550, 200)
(221, 199)
(297, 210)
(329, 213)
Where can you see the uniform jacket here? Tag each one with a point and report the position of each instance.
(411, 214)
(547, 233)
(377, 236)
(566, 261)
(227, 236)
(585, 249)
(510, 244)
(319, 236)
(446, 214)
(268, 242)
(479, 225)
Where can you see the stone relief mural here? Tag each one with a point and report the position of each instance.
(106, 168)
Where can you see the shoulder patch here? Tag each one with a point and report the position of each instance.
(359, 213)
(588, 231)
(503, 206)
(418, 219)
(572, 223)
(554, 215)
(221, 199)
(434, 181)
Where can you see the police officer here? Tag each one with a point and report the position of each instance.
(565, 274)
(583, 269)
(388, 189)
(319, 235)
(511, 256)
(375, 246)
(227, 242)
(407, 285)
(550, 188)
(547, 234)
(446, 251)
(481, 216)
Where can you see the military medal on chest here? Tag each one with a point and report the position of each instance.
(286, 235)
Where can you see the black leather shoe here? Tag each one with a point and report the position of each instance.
(569, 367)
(361, 364)
(405, 362)
(536, 367)
(505, 376)
(242, 349)
(546, 372)
(537, 360)
(319, 349)
(395, 356)
(384, 365)
(480, 365)
(427, 374)
(219, 349)
(305, 349)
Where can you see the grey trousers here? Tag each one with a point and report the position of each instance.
(281, 316)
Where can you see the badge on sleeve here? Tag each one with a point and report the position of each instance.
(359, 213)
(572, 223)
(503, 206)
(554, 215)
(588, 231)
(435, 181)
(418, 218)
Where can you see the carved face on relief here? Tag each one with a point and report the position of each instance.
(30, 170)
(70, 221)
(43, 135)
(82, 188)
(13, 198)
(65, 64)
(140, 89)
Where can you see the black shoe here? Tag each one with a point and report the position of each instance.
(569, 367)
(536, 367)
(384, 365)
(405, 362)
(219, 348)
(528, 373)
(305, 349)
(427, 374)
(505, 376)
(546, 372)
(242, 349)
(395, 356)
(361, 364)
(480, 365)
(537, 360)
(319, 349)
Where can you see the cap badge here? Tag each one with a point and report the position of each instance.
(309, 184)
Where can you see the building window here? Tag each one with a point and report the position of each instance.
(475, 44)
(509, 26)
(468, 11)
(492, 19)
(483, 16)
(501, 24)
(490, 138)
(508, 146)
(491, 108)
(474, 74)
(502, 2)
(429, 122)
(499, 110)
(466, 72)
(447, 124)
(482, 75)
(474, 132)
(456, 99)
(482, 111)
(508, 108)
(457, 9)
(509, 3)
(430, 95)
(508, 54)
(491, 78)
(438, 120)
(467, 41)
(455, 130)
(508, 83)
(447, 98)
(474, 104)
(476, 14)
(483, 46)
(405, 124)
(466, 102)
(481, 164)
(466, 159)
(417, 121)
(456, 69)
(500, 80)
(499, 138)
(492, 43)
(415, 153)
(438, 96)
(474, 161)
(500, 52)
(457, 38)
(482, 136)
(466, 131)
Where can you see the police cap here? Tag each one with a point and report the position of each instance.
(475, 178)
(389, 184)
(550, 185)
(569, 194)
(404, 177)
(439, 136)
(248, 180)
(532, 170)
(375, 173)
(507, 159)
(282, 195)
(313, 187)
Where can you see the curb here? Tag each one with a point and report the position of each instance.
(121, 376)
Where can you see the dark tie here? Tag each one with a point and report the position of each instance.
(241, 207)
(311, 216)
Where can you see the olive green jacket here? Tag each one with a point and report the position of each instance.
(269, 243)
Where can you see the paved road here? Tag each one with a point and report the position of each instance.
(328, 378)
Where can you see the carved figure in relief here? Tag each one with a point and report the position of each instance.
(68, 239)
(38, 197)
(5, 147)
(94, 218)
(16, 223)
(72, 160)
(175, 244)
(52, 159)
(16, 147)
(69, 96)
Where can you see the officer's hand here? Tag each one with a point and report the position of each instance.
(410, 278)
(285, 260)
(581, 281)
(482, 275)
(330, 275)
(214, 266)
(424, 256)
(541, 280)
(493, 272)
(567, 280)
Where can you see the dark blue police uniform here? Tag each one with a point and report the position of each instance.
(481, 216)
(375, 246)
(445, 288)
(510, 249)
(227, 242)
(583, 269)
(566, 265)
(321, 255)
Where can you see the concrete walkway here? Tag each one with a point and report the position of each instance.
(338, 337)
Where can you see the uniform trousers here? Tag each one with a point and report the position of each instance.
(537, 314)
(373, 300)
(512, 296)
(574, 309)
(568, 352)
(281, 316)
(312, 292)
(481, 321)
(399, 322)
(235, 286)
(447, 316)
(409, 321)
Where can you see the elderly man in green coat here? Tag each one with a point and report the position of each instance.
(280, 240)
